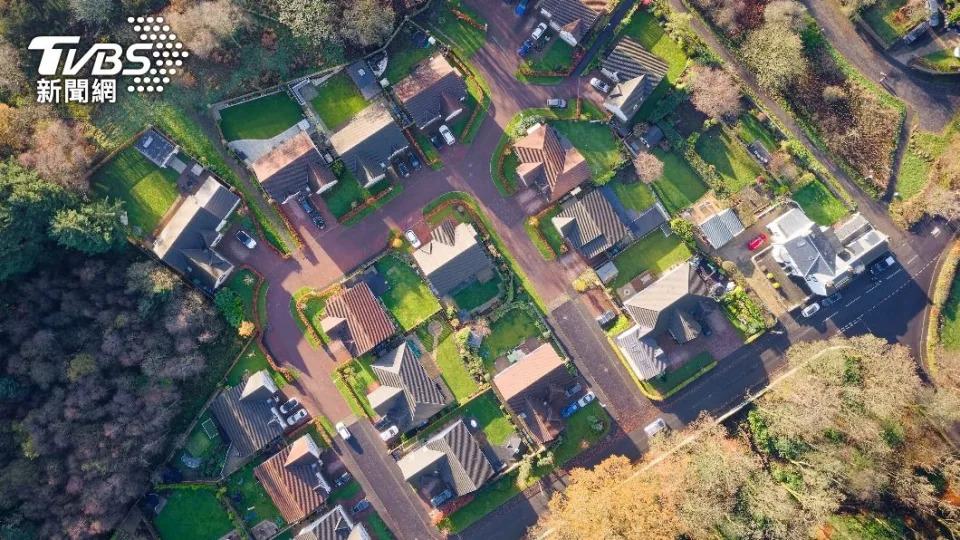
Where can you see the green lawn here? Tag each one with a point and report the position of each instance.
(362, 379)
(558, 57)
(636, 196)
(192, 514)
(355, 407)
(750, 129)
(146, 190)
(486, 500)
(455, 373)
(261, 118)
(943, 61)
(485, 409)
(313, 311)
(252, 359)
(402, 55)
(244, 283)
(819, 204)
(510, 330)
(547, 229)
(345, 493)
(578, 435)
(427, 339)
(680, 186)
(883, 19)
(466, 38)
(379, 528)
(477, 294)
(212, 452)
(950, 318)
(294, 300)
(348, 193)
(595, 141)
(409, 299)
(654, 252)
(644, 28)
(256, 504)
(915, 166)
(670, 380)
(338, 100)
(734, 165)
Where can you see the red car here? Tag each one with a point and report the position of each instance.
(757, 242)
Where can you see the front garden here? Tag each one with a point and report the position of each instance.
(892, 19)
(408, 299)
(512, 328)
(556, 57)
(147, 191)
(670, 382)
(261, 118)
(348, 194)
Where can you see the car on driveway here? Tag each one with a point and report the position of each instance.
(436, 140)
(447, 135)
(586, 399)
(441, 498)
(556, 103)
(289, 405)
(402, 169)
(414, 162)
(389, 433)
(832, 299)
(810, 310)
(756, 242)
(343, 431)
(705, 329)
(600, 85)
(538, 31)
(521, 7)
(881, 266)
(296, 417)
(412, 238)
(568, 411)
(362, 505)
(246, 239)
(525, 48)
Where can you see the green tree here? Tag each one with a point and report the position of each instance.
(89, 228)
(230, 306)
(683, 229)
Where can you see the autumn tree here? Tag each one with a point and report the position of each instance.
(11, 74)
(60, 153)
(947, 168)
(367, 22)
(648, 167)
(940, 201)
(315, 21)
(203, 26)
(776, 55)
(786, 15)
(714, 92)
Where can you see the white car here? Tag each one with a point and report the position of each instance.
(600, 85)
(246, 239)
(586, 399)
(655, 427)
(343, 431)
(412, 238)
(296, 417)
(289, 405)
(389, 433)
(447, 135)
(810, 310)
(538, 31)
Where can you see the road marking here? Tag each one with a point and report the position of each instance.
(912, 259)
(830, 317)
(893, 274)
(872, 288)
(852, 301)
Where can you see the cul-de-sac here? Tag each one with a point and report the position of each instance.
(479, 269)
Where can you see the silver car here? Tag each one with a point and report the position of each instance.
(600, 85)
(538, 31)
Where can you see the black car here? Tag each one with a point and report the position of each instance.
(318, 221)
(436, 140)
(402, 169)
(360, 506)
(342, 479)
(414, 162)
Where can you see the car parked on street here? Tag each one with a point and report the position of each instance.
(810, 310)
(447, 135)
(402, 169)
(246, 239)
(289, 405)
(412, 238)
(882, 265)
(655, 427)
(756, 242)
(538, 31)
(556, 103)
(343, 431)
(525, 48)
(832, 299)
(296, 417)
(600, 85)
(414, 162)
(362, 505)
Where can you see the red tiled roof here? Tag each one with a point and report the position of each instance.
(545, 154)
(366, 319)
(294, 487)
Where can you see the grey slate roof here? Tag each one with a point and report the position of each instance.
(452, 257)
(334, 525)
(249, 422)
(291, 168)
(649, 220)
(628, 96)
(629, 60)
(574, 16)
(368, 141)
(813, 253)
(433, 90)
(642, 353)
(721, 228)
(363, 77)
(590, 224)
(468, 467)
(421, 396)
(155, 147)
(678, 288)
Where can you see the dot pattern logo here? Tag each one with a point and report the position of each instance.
(167, 55)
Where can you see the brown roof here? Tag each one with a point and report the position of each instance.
(574, 16)
(530, 387)
(433, 90)
(367, 322)
(548, 160)
(292, 167)
(293, 479)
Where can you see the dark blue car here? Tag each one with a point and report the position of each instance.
(521, 7)
(568, 411)
(525, 48)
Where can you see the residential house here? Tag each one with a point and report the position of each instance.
(721, 228)
(435, 90)
(156, 148)
(826, 258)
(550, 163)
(406, 395)
(368, 142)
(248, 414)
(652, 136)
(453, 258)
(450, 460)
(334, 525)
(671, 305)
(366, 81)
(635, 72)
(292, 169)
(294, 479)
(193, 230)
(590, 225)
(534, 388)
(572, 19)
(357, 319)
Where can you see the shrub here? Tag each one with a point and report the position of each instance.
(230, 306)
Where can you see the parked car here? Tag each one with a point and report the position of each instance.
(568, 411)
(412, 238)
(246, 239)
(343, 431)
(296, 417)
(556, 103)
(525, 48)
(882, 265)
(810, 310)
(756, 242)
(342, 480)
(305, 204)
(574, 390)
(586, 399)
(600, 85)
(402, 169)
(318, 221)
(436, 140)
(362, 505)
(521, 7)
(655, 427)
(538, 31)
(447, 135)
(832, 299)
(289, 405)
(441, 498)
(389, 433)
(414, 162)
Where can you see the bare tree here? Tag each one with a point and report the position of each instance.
(11, 76)
(776, 55)
(205, 25)
(714, 92)
(648, 167)
(940, 201)
(60, 153)
(786, 14)
(93, 11)
(367, 22)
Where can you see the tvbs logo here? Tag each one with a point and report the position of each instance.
(150, 63)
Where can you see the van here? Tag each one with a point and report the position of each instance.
(655, 427)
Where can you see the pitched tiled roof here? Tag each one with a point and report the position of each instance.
(647, 305)
(292, 167)
(528, 385)
(453, 454)
(721, 228)
(432, 91)
(590, 224)
(452, 257)
(548, 160)
(367, 322)
(629, 60)
(334, 525)
(250, 423)
(293, 479)
(368, 141)
(363, 77)
(400, 369)
(642, 352)
(574, 16)
(652, 217)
